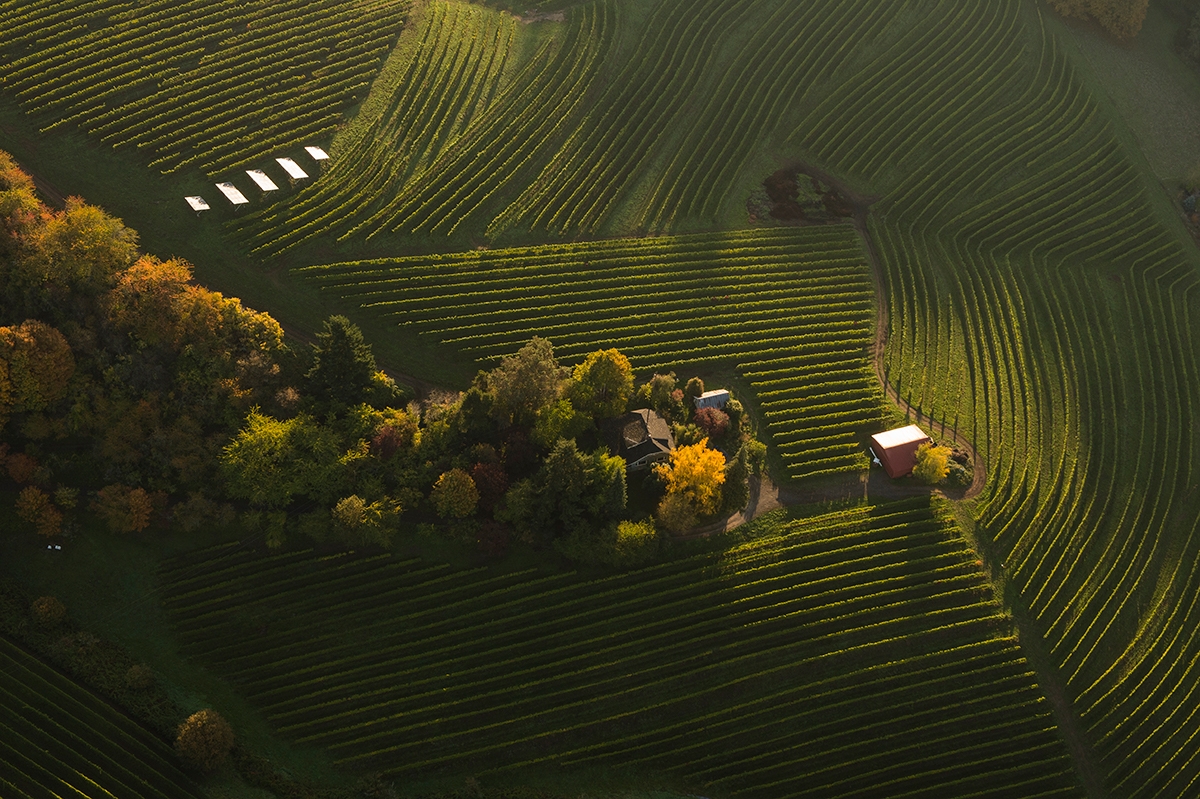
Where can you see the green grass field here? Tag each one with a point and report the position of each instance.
(1041, 291)
(835, 655)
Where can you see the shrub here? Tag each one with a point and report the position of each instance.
(637, 543)
(713, 421)
(48, 611)
(933, 464)
(204, 740)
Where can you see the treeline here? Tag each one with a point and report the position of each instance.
(129, 392)
(1122, 18)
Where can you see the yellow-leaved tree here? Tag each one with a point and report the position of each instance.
(693, 478)
(933, 464)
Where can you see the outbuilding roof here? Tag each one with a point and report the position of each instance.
(897, 449)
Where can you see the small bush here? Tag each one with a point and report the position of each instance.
(204, 740)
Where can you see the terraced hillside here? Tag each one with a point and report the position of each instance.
(857, 653)
(791, 308)
(57, 740)
(212, 84)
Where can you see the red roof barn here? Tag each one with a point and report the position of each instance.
(896, 449)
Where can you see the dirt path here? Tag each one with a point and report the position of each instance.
(1082, 754)
(862, 206)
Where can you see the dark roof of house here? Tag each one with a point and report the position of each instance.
(638, 434)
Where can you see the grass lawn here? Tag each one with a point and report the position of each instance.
(1155, 92)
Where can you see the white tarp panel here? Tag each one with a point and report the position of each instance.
(232, 194)
(317, 153)
(197, 203)
(292, 168)
(261, 179)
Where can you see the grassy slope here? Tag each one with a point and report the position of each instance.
(109, 586)
(1154, 91)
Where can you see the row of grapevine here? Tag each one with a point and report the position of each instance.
(210, 83)
(857, 653)
(57, 739)
(1059, 334)
(790, 308)
(445, 73)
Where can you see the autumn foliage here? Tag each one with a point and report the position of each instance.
(204, 740)
(124, 509)
(693, 480)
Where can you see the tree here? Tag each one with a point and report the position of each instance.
(204, 740)
(20, 212)
(677, 512)
(735, 492)
(571, 491)
(35, 507)
(455, 495)
(124, 509)
(38, 365)
(360, 522)
(693, 389)
(713, 421)
(637, 542)
(343, 370)
(697, 473)
(603, 384)
(271, 461)
(492, 483)
(933, 464)
(524, 383)
(398, 431)
(73, 258)
(559, 420)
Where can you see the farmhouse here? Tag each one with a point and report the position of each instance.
(712, 399)
(896, 450)
(641, 437)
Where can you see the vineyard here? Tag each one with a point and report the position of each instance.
(57, 739)
(833, 655)
(1062, 334)
(1041, 296)
(791, 308)
(202, 84)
